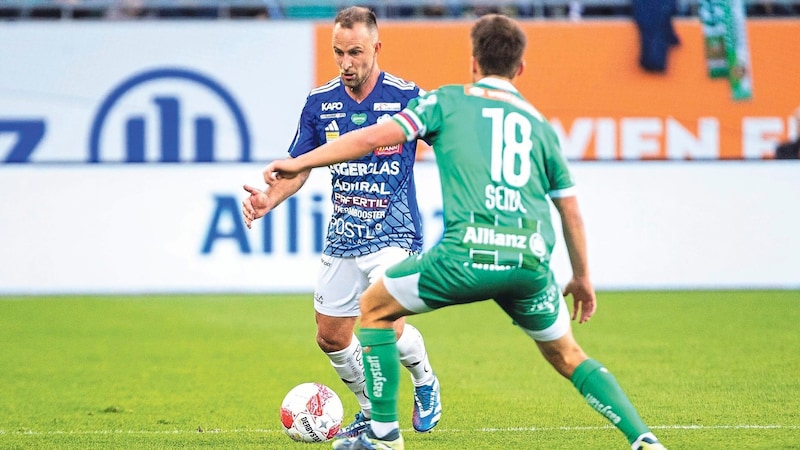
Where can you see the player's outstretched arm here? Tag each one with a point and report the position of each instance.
(580, 286)
(259, 203)
(347, 147)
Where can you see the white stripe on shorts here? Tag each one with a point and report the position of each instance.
(559, 328)
(406, 291)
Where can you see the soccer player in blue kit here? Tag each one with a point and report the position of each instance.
(375, 221)
(501, 167)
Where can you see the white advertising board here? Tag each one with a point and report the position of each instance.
(151, 91)
(177, 228)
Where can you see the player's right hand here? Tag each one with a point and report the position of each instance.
(281, 168)
(255, 206)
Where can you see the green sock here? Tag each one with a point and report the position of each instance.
(382, 369)
(603, 393)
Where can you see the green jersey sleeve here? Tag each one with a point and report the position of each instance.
(561, 183)
(421, 117)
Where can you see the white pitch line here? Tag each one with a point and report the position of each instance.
(656, 427)
(446, 430)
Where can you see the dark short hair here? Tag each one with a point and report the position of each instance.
(348, 17)
(498, 44)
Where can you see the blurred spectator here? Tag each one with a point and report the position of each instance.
(309, 11)
(127, 9)
(480, 10)
(434, 11)
(656, 35)
(401, 12)
(648, 13)
(575, 10)
(771, 8)
(188, 10)
(604, 11)
(791, 148)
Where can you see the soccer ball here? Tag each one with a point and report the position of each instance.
(311, 412)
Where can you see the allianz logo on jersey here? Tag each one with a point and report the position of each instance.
(488, 236)
(332, 106)
(169, 115)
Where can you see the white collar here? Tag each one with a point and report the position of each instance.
(498, 83)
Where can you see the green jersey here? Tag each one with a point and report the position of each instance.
(498, 160)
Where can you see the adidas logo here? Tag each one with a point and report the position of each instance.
(331, 131)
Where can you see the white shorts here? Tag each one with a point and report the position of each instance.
(341, 281)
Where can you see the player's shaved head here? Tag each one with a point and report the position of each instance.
(349, 17)
(498, 44)
(355, 49)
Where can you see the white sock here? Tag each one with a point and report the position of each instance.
(413, 355)
(349, 364)
(381, 429)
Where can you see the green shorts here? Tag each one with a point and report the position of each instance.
(445, 276)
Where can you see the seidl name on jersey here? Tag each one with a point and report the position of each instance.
(503, 198)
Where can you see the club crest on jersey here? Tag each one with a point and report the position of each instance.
(386, 106)
(358, 118)
(331, 131)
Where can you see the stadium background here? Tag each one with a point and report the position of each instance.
(124, 146)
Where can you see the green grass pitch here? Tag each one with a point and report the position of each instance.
(706, 369)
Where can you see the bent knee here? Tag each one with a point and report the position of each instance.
(334, 335)
(333, 342)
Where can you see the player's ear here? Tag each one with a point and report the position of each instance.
(378, 46)
(476, 70)
(521, 68)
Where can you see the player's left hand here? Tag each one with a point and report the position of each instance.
(584, 301)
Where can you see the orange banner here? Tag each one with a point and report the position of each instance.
(586, 79)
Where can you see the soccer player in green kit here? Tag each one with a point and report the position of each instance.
(499, 161)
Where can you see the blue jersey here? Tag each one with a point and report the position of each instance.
(374, 198)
